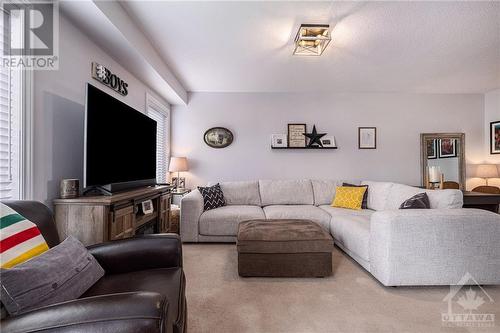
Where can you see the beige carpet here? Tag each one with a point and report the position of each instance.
(350, 301)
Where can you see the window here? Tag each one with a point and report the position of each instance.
(161, 114)
(11, 119)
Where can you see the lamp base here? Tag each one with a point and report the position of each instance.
(436, 185)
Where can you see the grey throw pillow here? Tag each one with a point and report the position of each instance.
(418, 201)
(60, 274)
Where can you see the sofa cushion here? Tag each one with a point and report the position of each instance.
(378, 194)
(223, 221)
(437, 198)
(324, 191)
(298, 212)
(286, 192)
(241, 193)
(335, 211)
(353, 233)
(448, 199)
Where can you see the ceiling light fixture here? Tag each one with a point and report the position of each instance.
(312, 39)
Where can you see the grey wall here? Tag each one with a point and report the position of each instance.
(253, 117)
(491, 113)
(59, 106)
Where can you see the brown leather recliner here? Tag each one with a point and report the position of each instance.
(143, 289)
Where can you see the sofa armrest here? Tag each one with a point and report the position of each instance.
(139, 253)
(124, 312)
(434, 246)
(191, 210)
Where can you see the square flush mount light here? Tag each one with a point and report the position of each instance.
(312, 39)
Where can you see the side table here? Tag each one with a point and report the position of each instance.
(175, 209)
(480, 200)
(178, 194)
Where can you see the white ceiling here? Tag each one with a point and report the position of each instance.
(437, 47)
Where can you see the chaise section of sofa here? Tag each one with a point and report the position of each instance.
(434, 246)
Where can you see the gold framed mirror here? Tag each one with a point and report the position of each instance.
(445, 153)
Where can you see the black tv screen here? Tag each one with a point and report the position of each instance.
(120, 144)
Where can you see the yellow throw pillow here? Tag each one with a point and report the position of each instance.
(348, 197)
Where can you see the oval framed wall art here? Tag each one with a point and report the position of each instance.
(218, 137)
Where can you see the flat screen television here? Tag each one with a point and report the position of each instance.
(120, 144)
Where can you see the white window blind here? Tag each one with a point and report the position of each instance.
(10, 119)
(161, 114)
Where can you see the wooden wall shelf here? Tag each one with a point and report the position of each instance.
(317, 148)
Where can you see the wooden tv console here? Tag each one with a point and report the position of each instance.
(96, 219)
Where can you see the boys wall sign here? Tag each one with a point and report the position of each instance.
(106, 77)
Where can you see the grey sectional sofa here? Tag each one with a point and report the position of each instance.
(434, 246)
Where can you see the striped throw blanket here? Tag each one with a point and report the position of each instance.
(20, 239)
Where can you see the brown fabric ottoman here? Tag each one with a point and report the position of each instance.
(284, 248)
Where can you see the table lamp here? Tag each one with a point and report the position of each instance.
(487, 171)
(435, 177)
(178, 164)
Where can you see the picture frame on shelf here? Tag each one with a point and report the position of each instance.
(279, 140)
(328, 141)
(495, 137)
(447, 148)
(367, 138)
(296, 136)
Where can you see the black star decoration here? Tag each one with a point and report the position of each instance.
(314, 137)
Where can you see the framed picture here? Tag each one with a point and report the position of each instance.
(495, 137)
(147, 207)
(447, 148)
(367, 137)
(328, 141)
(179, 182)
(218, 137)
(278, 140)
(431, 149)
(296, 136)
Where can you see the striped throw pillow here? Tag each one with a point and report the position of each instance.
(20, 239)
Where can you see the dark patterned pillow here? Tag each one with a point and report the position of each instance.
(364, 204)
(418, 201)
(212, 197)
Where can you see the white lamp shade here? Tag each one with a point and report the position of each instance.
(434, 174)
(487, 171)
(178, 164)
